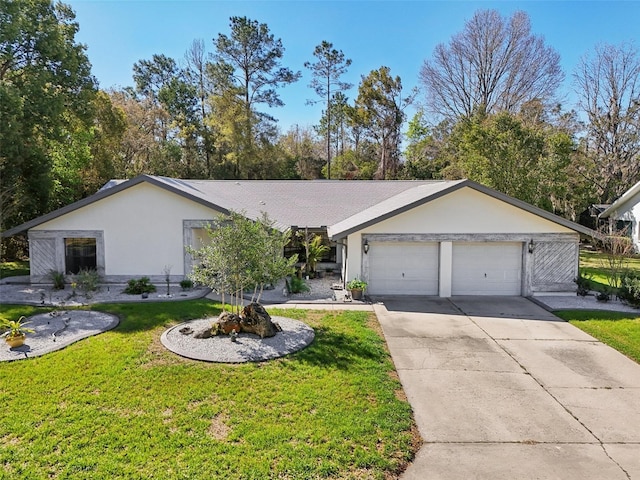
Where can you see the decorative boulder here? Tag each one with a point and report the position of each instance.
(206, 333)
(255, 319)
(229, 322)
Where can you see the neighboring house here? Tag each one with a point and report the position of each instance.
(403, 237)
(625, 212)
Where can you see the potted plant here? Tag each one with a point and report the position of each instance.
(16, 332)
(357, 287)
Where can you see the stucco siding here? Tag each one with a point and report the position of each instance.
(466, 211)
(636, 225)
(143, 229)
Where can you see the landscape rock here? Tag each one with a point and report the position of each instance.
(204, 333)
(255, 319)
(229, 322)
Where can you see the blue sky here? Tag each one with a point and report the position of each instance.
(397, 34)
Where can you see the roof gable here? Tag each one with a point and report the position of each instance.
(420, 196)
(626, 202)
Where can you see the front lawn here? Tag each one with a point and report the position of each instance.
(617, 329)
(12, 269)
(118, 405)
(595, 266)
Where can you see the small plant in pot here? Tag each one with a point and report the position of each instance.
(357, 288)
(16, 331)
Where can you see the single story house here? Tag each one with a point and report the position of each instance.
(625, 212)
(403, 237)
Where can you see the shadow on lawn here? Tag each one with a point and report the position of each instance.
(137, 317)
(334, 349)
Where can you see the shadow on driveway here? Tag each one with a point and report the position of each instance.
(473, 306)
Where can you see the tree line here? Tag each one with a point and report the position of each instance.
(487, 110)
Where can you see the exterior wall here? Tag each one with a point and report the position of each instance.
(47, 251)
(554, 267)
(630, 211)
(142, 229)
(636, 225)
(470, 216)
(467, 211)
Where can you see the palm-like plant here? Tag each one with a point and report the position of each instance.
(15, 328)
(315, 251)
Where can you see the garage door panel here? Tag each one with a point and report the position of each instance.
(484, 268)
(403, 268)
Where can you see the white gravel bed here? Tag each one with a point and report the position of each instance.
(589, 302)
(56, 330)
(45, 295)
(294, 336)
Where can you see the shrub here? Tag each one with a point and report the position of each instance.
(584, 284)
(629, 290)
(186, 284)
(87, 280)
(139, 286)
(297, 285)
(57, 278)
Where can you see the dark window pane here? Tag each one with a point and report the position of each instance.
(80, 253)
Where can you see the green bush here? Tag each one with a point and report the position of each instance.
(186, 284)
(629, 290)
(87, 280)
(297, 285)
(584, 283)
(139, 286)
(57, 278)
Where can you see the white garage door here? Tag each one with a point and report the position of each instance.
(403, 268)
(487, 268)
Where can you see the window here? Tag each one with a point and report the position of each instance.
(79, 253)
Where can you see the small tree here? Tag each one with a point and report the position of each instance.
(241, 253)
(617, 247)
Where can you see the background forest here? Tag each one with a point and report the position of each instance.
(487, 109)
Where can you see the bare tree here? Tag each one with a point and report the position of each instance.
(609, 87)
(493, 65)
(196, 60)
(326, 71)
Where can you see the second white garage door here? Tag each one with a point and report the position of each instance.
(403, 268)
(484, 268)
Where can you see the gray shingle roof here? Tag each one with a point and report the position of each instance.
(342, 206)
(304, 203)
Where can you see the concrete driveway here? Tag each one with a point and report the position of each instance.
(502, 389)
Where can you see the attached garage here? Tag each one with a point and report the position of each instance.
(487, 268)
(459, 239)
(403, 268)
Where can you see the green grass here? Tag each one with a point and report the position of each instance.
(119, 405)
(617, 329)
(12, 269)
(594, 265)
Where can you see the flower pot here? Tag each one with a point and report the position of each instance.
(356, 293)
(16, 341)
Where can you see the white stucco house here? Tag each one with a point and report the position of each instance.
(403, 237)
(627, 210)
